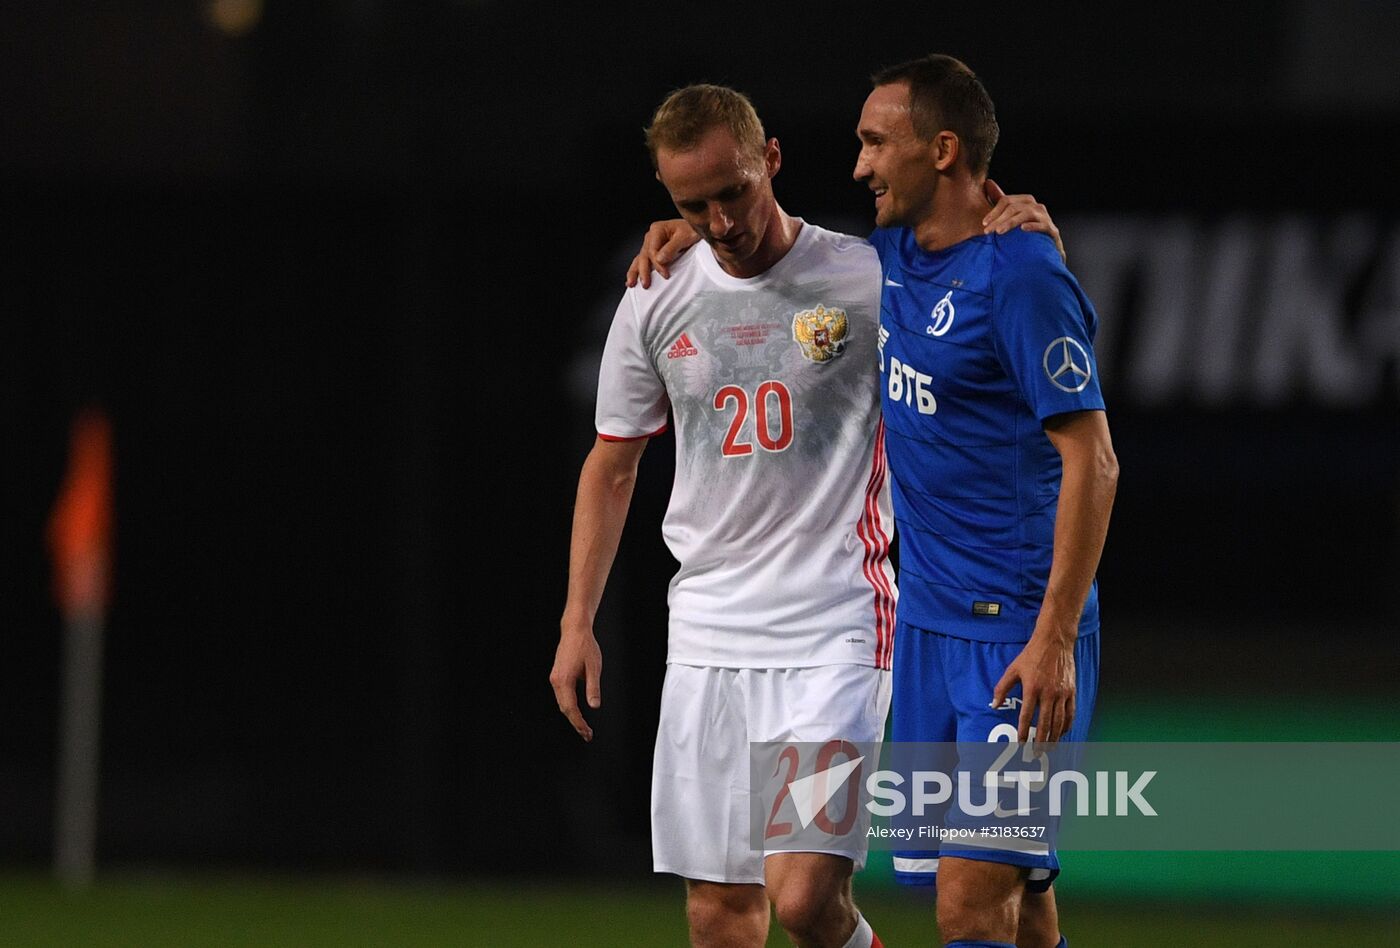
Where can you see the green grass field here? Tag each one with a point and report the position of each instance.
(1122, 900)
(210, 912)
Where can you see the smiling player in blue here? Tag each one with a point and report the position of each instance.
(1003, 472)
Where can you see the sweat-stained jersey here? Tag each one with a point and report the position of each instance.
(780, 513)
(980, 344)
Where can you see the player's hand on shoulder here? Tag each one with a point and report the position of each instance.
(578, 656)
(663, 243)
(1019, 210)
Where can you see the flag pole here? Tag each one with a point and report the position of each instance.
(80, 539)
(80, 728)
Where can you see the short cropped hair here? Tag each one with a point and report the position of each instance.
(687, 114)
(945, 94)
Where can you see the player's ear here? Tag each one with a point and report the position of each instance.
(946, 148)
(772, 157)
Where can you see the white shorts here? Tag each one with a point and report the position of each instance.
(700, 773)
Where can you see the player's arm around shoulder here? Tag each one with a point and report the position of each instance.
(604, 495)
(663, 243)
(1019, 211)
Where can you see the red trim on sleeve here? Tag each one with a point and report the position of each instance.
(616, 438)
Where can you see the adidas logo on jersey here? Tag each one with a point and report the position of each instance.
(682, 347)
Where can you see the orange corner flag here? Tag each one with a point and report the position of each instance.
(80, 528)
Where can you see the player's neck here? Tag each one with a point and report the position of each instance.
(778, 238)
(956, 215)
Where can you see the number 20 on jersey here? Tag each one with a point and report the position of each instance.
(769, 395)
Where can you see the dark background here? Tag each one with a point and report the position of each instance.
(338, 281)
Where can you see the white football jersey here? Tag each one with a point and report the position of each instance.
(780, 512)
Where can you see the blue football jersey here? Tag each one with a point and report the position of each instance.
(979, 344)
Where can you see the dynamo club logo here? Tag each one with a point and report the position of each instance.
(941, 319)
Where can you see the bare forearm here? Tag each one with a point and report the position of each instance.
(604, 494)
(1087, 488)
(600, 512)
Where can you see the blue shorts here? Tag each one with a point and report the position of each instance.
(942, 691)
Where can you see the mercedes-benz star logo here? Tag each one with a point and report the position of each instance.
(1072, 372)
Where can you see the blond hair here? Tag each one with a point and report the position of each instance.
(687, 114)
